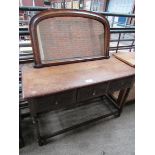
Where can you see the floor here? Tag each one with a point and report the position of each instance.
(115, 136)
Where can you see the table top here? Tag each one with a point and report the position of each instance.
(127, 57)
(49, 80)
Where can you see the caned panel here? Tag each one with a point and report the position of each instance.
(63, 38)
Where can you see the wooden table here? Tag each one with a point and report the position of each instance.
(126, 57)
(72, 85)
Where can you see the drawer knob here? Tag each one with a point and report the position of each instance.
(94, 93)
(56, 102)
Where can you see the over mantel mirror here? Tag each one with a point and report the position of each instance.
(67, 36)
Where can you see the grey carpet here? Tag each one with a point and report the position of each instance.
(114, 136)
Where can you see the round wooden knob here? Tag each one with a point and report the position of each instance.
(94, 93)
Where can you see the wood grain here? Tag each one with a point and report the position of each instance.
(127, 57)
(54, 79)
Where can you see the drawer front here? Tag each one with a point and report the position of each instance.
(53, 102)
(92, 91)
(85, 93)
(66, 98)
(120, 84)
(101, 88)
(42, 104)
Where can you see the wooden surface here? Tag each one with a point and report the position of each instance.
(50, 80)
(127, 57)
(131, 95)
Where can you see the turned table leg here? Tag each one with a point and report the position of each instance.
(40, 140)
(123, 94)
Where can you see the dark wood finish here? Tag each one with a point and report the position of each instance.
(53, 102)
(66, 13)
(62, 86)
(120, 84)
(50, 80)
(74, 97)
(71, 85)
(122, 97)
(97, 106)
(128, 58)
(92, 91)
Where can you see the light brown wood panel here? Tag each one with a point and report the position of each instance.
(127, 57)
(49, 80)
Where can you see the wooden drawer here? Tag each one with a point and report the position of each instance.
(91, 91)
(120, 84)
(66, 98)
(101, 88)
(53, 102)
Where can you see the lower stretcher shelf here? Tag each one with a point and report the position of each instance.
(60, 121)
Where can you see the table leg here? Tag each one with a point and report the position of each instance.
(123, 94)
(40, 140)
(21, 139)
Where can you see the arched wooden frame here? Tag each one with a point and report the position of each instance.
(66, 13)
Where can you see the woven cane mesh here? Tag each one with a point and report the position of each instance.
(62, 38)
